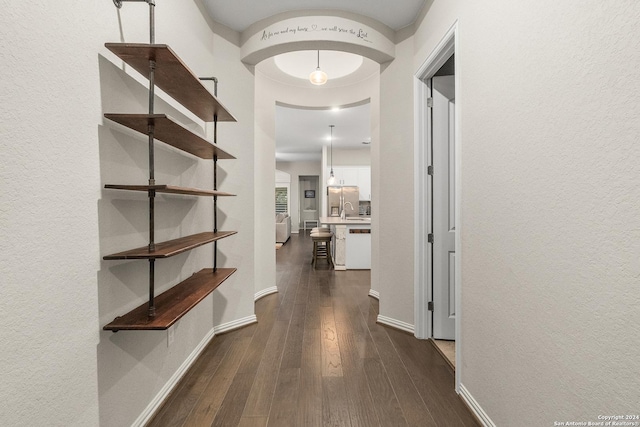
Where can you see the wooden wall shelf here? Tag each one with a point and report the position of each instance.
(171, 189)
(170, 132)
(164, 70)
(174, 303)
(173, 77)
(171, 247)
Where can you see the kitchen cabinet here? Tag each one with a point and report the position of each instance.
(345, 175)
(354, 175)
(358, 247)
(364, 182)
(352, 242)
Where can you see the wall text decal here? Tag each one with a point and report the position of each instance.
(309, 32)
(358, 33)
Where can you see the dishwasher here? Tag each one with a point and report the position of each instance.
(358, 251)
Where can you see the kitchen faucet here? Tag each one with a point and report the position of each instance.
(342, 214)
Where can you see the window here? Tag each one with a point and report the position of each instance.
(282, 200)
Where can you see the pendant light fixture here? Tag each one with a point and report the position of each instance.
(318, 77)
(332, 178)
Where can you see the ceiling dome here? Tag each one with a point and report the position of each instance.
(301, 63)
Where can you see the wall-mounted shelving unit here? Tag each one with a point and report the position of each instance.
(167, 72)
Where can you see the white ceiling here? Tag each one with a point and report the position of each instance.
(305, 62)
(240, 14)
(301, 134)
(300, 63)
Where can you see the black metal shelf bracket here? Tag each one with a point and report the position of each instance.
(118, 3)
(215, 173)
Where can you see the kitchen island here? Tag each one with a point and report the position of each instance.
(352, 242)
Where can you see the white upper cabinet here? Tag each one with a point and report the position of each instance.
(364, 182)
(345, 175)
(354, 175)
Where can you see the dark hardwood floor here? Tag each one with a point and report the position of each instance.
(316, 357)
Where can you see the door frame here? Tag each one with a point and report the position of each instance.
(447, 46)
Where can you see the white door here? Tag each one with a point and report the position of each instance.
(444, 255)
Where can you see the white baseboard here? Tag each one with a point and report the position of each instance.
(339, 267)
(235, 324)
(403, 326)
(265, 292)
(374, 294)
(157, 401)
(475, 407)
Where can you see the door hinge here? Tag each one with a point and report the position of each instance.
(430, 306)
(429, 102)
(430, 170)
(430, 238)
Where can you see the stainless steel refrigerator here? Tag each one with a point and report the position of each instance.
(343, 197)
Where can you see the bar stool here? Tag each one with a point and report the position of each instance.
(318, 230)
(323, 228)
(322, 247)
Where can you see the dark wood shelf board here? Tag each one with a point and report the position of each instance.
(170, 132)
(169, 189)
(174, 303)
(171, 247)
(173, 77)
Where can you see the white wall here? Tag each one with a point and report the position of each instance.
(550, 200)
(58, 153)
(393, 161)
(49, 223)
(375, 153)
(264, 184)
(351, 157)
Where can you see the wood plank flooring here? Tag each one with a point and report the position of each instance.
(316, 357)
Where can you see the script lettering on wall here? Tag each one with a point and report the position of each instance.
(358, 33)
(294, 33)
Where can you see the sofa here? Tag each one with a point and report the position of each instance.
(283, 227)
